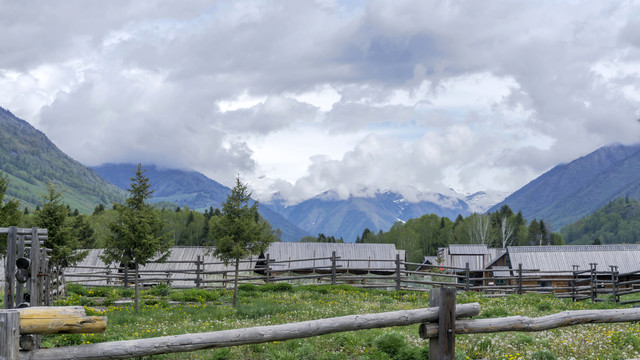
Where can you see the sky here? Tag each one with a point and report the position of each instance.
(301, 97)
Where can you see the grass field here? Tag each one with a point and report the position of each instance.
(168, 312)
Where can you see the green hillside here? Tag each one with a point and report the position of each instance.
(618, 222)
(30, 159)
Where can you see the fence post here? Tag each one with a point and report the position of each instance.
(267, 271)
(333, 268)
(198, 272)
(10, 268)
(467, 280)
(574, 282)
(614, 282)
(398, 272)
(9, 334)
(519, 279)
(443, 346)
(36, 295)
(593, 281)
(20, 286)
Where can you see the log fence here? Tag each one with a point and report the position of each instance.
(591, 284)
(440, 323)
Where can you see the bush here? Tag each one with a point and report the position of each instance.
(76, 289)
(279, 287)
(413, 353)
(543, 355)
(390, 343)
(161, 289)
(544, 306)
(126, 293)
(247, 287)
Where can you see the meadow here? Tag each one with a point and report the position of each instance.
(168, 312)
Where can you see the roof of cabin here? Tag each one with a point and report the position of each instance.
(559, 258)
(380, 256)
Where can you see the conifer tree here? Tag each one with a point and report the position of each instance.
(136, 234)
(53, 217)
(10, 215)
(238, 232)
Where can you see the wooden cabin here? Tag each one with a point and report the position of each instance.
(555, 265)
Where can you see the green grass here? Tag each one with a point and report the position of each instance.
(278, 305)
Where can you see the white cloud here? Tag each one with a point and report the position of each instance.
(303, 97)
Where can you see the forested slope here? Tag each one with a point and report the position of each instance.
(30, 159)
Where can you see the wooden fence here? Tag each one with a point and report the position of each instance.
(607, 285)
(439, 323)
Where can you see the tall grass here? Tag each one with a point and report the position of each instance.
(196, 312)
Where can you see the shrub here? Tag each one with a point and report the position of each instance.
(247, 287)
(161, 289)
(390, 343)
(76, 289)
(279, 287)
(544, 306)
(126, 293)
(413, 353)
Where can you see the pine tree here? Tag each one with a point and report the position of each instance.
(53, 217)
(136, 235)
(238, 232)
(10, 215)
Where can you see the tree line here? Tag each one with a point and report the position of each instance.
(181, 226)
(134, 232)
(424, 235)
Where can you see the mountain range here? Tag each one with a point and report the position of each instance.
(569, 192)
(193, 189)
(564, 194)
(347, 218)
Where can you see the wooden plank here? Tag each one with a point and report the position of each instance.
(59, 319)
(22, 231)
(9, 334)
(10, 268)
(34, 256)
(255, 335)
(523, 323)
(19, 285)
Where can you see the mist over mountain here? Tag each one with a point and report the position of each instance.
(569, 192)
(30, 160)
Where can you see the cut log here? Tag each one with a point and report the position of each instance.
(255, 335)
(523, 323)
(60, 319)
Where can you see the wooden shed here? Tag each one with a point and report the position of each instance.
(557, 263)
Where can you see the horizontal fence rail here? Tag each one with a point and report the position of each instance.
(593, 284)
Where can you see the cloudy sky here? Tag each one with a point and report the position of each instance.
(305, 96)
